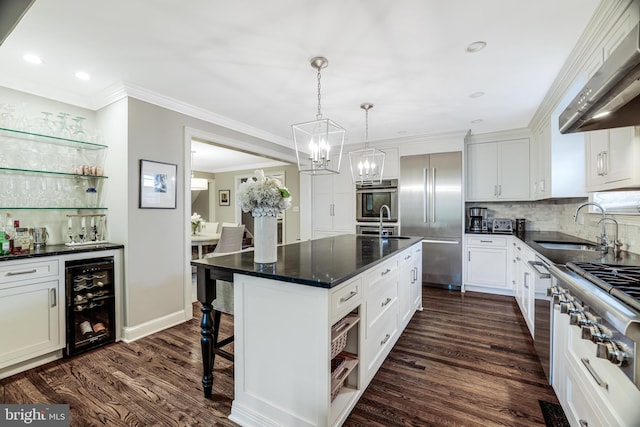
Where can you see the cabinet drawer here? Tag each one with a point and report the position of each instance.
(382, 273)
(380, 340)
(18, 271)
(345, 298)
(378, 303)
(487, 241)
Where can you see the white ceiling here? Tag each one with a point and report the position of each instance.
(216, 159)
(247, 61)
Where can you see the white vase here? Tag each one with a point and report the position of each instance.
(265, 239)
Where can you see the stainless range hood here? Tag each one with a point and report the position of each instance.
(610, 98)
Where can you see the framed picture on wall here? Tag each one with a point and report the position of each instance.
(224, 197)
(157, 185)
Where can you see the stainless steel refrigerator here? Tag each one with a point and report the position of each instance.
(430, 206)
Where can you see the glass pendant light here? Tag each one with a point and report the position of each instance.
(367, 164)
(318, 143)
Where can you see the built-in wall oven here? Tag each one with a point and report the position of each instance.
(370, 198)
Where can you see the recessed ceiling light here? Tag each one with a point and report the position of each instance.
(476, 95)
(476, 46)
(476, 121)
(83, 76)
(34, 59)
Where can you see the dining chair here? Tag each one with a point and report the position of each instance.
(230, 241)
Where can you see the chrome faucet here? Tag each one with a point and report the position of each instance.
(616, 243)
(388, 217)
(603, 235)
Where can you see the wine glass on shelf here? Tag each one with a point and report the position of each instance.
(78, 130)
(47, 126)
(63, 128)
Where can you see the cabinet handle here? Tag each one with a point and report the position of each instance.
(499, 189)
(593, 373)
(583, 423)
(407, 257)
(385, 272)
(495, 190)
(17, 273)
(54, 297)
(385, 302)
(469, 256)
(526, 282)
(347, 298)
(386, 338)
(486, 241)
(605, 163)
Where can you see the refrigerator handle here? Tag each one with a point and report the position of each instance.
(425, 209)
(433, 195)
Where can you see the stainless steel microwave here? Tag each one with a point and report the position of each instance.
(371, 198)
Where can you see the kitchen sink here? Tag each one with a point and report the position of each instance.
(571, 246)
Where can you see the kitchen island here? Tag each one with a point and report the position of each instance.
(313, 328)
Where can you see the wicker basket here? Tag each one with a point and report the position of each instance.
(338, 344)
(339, 334)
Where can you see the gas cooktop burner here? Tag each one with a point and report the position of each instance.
(621, 281)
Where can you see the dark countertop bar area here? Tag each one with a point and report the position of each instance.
(323, 263)
(56, 250)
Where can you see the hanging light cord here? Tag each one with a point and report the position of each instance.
(366, 127)
(319, 114)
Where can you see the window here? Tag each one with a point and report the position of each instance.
(623, 202)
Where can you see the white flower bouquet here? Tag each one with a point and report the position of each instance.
(263, 196)
(196, 220)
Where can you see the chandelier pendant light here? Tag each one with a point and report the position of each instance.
(318, 143)
(197, 184)
(367, 164)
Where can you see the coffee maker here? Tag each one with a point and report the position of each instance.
(477, 219)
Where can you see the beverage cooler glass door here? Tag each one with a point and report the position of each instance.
(90, 304)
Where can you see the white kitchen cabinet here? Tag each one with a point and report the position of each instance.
(613, 159)
(498, 170)
(557, 160)
(523, 281)
(32, 307)
(381, 314)
(334, 202)
(486, 266)
(410, 284)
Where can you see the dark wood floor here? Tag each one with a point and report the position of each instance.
(464, 361)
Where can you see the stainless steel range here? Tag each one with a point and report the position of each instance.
(604, 301)
(596, 349)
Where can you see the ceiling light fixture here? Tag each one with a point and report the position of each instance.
(83, 76)
(476, 95)
(318, 143)
(367, 164)
(34, 59)
(197, 184)
(476, 46)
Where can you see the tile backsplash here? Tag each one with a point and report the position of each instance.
(557, 215)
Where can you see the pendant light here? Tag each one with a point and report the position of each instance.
(367, 164)
(197, 184)
(318, 143)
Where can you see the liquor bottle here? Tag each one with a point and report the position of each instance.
(9, 231)
(4, 243)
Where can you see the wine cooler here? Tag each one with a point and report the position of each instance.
(90, 304)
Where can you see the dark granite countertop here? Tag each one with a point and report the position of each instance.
(322, 263)
(562, 256)
(55, 250)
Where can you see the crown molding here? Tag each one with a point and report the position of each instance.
(503, 135)
(123, 89)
